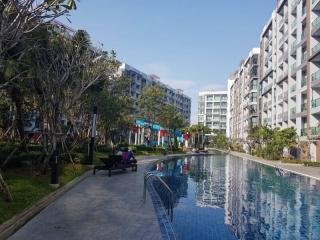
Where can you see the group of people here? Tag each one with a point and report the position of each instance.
(127, 155)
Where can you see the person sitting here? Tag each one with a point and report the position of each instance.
(128, 156)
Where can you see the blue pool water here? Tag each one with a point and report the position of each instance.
(224, 197)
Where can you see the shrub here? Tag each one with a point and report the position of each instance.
(311, 164)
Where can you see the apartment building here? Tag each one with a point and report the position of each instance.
(289, 87)
(139, 80)
(243, 97)
(212, 110)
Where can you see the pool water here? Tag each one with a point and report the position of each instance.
(224, 197)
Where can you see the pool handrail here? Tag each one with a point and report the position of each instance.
(170, 205)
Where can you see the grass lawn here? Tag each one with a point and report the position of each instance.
(27, 189)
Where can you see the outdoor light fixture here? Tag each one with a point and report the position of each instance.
(93, 135)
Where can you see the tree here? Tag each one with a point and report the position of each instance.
(63, 72)
(269, 143)
(20, 18)
(172, 119)
(198, 131)
(151, 102)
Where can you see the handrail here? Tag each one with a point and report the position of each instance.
(170, 202)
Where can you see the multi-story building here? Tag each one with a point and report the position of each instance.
(289, 88)
(243, 94)
(212, 110)
(139, 80)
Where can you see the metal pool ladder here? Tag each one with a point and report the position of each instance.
(165, 185)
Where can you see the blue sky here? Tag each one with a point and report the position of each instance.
(192, 44)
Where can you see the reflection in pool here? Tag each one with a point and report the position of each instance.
(223, 197)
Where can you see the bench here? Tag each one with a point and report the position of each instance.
(115, 162)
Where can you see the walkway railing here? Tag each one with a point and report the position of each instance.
(170, 198)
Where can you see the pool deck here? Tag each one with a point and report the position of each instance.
(312, 172)
(100, 207)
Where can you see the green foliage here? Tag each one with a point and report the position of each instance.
(311, 164)
(269, 143)
(219, 140)
(28, 189)
(151, 102)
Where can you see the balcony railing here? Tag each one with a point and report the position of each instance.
(303, 81)
(316, 24)
(293, 111)
(285, 95)
(294, 23)
(315, 131)
(303, 35)
(304, 58)
(315, 49)
(315, 76)
(293, 45)
(315, 103)
(303, 132)
(293, 88)
(303, 107)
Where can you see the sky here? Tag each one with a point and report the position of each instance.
(192, 45)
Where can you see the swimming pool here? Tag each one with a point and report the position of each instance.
(225, 197)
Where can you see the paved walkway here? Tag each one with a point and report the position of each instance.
(99, 207)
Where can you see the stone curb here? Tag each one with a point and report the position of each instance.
(9, 227)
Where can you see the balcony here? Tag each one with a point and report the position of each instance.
(316, 27)
(315, 76)
(279, 118)
(280, 97)
(267, 88)
(285, 116)
(315, 131)
(315, 51)
(294, 24)
(285, 96)
(303, 107)
(265, 107)
(315, 103)
(293, 88)
(293, 112)
(304, 132)
(303, 81)
(316, 5)
(294, 6)
(293, 69)
(293, 48)
(283, 20)
(284, 37)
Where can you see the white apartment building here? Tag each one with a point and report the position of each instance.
(289, 87)
(139, 80)
(212, 110)
(243, 97)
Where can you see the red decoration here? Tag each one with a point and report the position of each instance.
(163, 133)
(186, 136)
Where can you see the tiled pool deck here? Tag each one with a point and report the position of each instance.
(100, 207)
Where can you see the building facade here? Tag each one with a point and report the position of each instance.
(243, 95)
(139, 80)
(289, 87)
(212, 110)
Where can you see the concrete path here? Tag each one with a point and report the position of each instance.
(99, 207)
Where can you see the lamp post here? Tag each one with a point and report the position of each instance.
(93, 135)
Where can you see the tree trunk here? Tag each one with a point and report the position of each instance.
(5, 189)
(17, 98)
